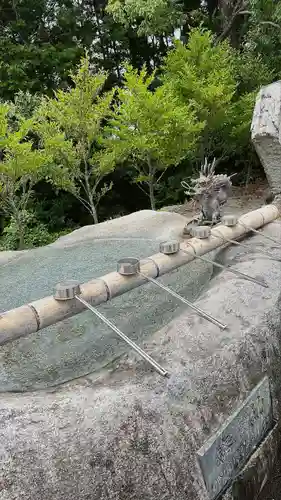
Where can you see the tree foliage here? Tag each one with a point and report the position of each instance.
(263, 37)
(208, 76)
(22, 166)
(70, 126)
(201, 73)
(152, 17)
(153, 130)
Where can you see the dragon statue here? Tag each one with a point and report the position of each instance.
(210, 191)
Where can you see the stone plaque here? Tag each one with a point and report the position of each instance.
(226, 453)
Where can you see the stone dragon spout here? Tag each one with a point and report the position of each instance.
(211, 191)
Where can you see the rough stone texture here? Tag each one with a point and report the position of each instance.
(83, 344)
(250, 482)
(266, 133)
(126, 433)
(272, 489)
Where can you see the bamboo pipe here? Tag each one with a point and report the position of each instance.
(39, 314)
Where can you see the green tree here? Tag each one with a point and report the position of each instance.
(220, 85)
(151, 130)
(38, 44)
(34, 233)
(41, 41)
(152, 16)
(240, 18)
(24, 106)
(25, 103)
(77, 115)
(159, 17)
(22, 166)
(201, 74)
(262, 38)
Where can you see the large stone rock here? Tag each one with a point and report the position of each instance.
(125, 432)
(83, 344)
(266, 133)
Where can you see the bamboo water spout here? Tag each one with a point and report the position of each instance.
(30, 318)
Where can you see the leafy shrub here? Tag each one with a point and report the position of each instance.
(36, 233)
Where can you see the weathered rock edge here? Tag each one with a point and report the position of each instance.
(127, 433)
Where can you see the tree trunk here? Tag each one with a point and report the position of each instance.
(21, 244)
(248, 176)
(151, 194)
(231, 27)
(102, 46)
(151, 183)
(90, 194)
(94, 213)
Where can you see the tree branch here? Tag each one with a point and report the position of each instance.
(84, 202)
(241, 12)
(270, 23)
(160, 176)
(143, 190)
(239, 9)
